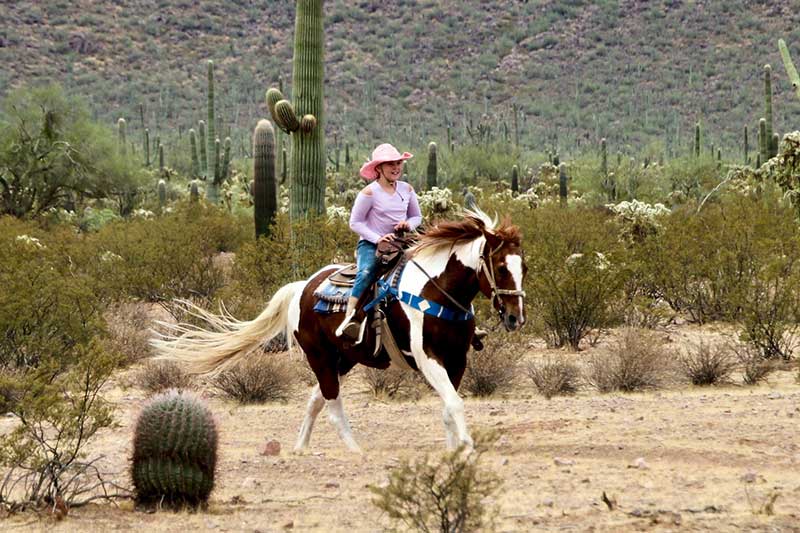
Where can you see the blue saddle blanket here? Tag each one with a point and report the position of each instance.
(331, 298)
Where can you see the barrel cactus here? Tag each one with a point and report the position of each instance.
(174, 450)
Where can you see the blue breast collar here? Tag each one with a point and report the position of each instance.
(388, 290)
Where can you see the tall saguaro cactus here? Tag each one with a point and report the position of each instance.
(122, 137)
(772, 151)
(265, 194)
(211, 135)
(303, 118)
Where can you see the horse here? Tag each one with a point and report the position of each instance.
(449, 265)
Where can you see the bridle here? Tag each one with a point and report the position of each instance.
(488, 272)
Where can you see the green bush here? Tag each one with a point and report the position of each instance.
(290, 253)
(704, 264)
(49, 306)
(492, 369)
(172, 256)
(257, 379)
(577, 270)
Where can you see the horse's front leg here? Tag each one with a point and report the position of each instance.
(454, 422)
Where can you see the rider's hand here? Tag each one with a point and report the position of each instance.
(402, 226)
(386, 238)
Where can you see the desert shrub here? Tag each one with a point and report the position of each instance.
(447, 495)
(59, 412)
(705, 364)
(257, 379)
(128, 326)
(158, 376)
(554, 376)
(702, 264)
(492, 369)
(579, 271)
(388, 383)
(48, 303)
(291, 252)
(769, 304)
(168, 257)
(755, 368)
(635, 362)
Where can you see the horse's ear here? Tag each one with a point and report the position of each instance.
(492, 239)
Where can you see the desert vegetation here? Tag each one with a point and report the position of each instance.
(639, 228)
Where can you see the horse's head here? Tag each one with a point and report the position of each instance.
(501, 273)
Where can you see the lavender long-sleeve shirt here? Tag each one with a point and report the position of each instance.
(375, 215)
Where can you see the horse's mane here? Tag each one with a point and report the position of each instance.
(449, 233)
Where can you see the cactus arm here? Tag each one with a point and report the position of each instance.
(794, 78)
(285, 117)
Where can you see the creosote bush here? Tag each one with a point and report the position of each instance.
(555, 376)
(257, 379)
(707, 365)
(636, 362)
(447, 495)
(492, 369)
(159, 376)
(576, 256)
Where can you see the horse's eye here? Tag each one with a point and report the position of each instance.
(502, 270)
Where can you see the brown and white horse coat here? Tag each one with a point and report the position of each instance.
(458, 259)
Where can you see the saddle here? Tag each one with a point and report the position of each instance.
(388, 254)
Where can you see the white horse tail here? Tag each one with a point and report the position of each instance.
(229, 340)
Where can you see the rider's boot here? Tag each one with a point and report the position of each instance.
(350, 327)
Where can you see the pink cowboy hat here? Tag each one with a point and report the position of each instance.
(382, 154)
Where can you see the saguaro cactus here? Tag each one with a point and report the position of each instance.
(763, 140)
(122, 136)
(432, 166)
(201, 128)
(211, 136)
(772, 151)
(147, 148)
(265, 193)
(562, 183)
(195, 159)
(794, 78)
(162, 194)
(515, 179)
(746, 148)
(303, 118)
(174, 450)
(697, 140)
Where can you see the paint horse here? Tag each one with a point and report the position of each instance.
(446, 269)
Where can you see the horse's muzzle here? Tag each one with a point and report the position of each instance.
(512, 322)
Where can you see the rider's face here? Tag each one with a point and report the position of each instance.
(391, 170)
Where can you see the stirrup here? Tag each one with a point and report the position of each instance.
(480, 333)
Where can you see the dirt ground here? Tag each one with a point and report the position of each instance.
(679, 459)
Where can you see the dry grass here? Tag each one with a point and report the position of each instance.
(555, 376)
(128, 328)
(636, 362)
(159, 376)
(258, 379)
(705, 364)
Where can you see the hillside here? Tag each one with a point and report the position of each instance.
(636, 72)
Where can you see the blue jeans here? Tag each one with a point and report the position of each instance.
(367, 267)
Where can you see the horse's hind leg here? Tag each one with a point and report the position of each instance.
(330, 371)
(315, 404)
